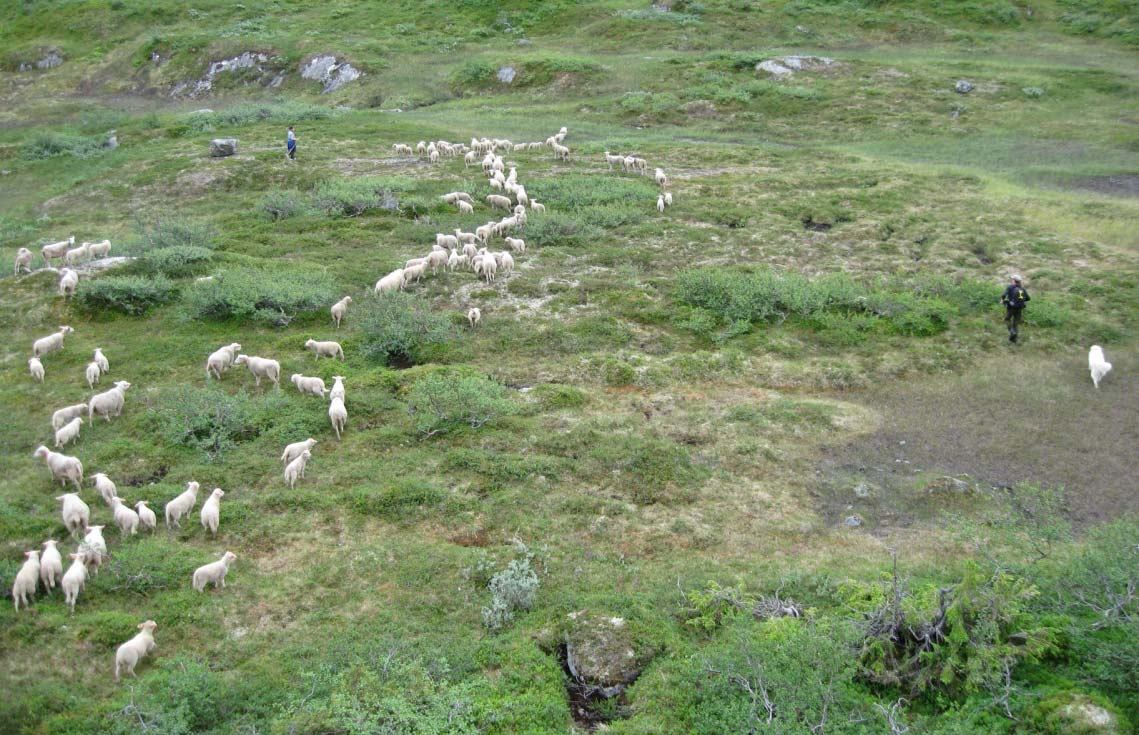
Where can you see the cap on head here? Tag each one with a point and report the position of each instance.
(1015, 277)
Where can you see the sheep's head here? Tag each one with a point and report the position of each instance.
(229, 556)
(306, 454)
(296, 379)
(149, 626)
(192, 486)
(41, 451)
(309, 343)
(347, 299)
(66, 329)
(33, 555)
(122, 385)
(50, 543)
(241, 359)
(116, 501)
(218, 492)
(96, 530)
(310, 441)
(140, 504)
(235, 346)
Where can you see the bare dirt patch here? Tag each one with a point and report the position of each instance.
(1118, 185)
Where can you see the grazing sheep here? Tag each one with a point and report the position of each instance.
(391, 282)
(488, 266)
(214, 572)
(294, 450)
(613, 160)
(339, 309)
(68, 282)
(295, 469)
(222, 359)
(660, 203)
(668, 199)
(134, 650)
(36, 368)
(497, 201)
(62, 467)
(51, 343)
(414, 273)
(211, 510)
(56, 249)
(456, 259)
(92, 374)
(660, 177)
(101, 360)
(474, 316)
(95, 546)
(338, 415)
(146, 517)
(641, 166)
(69, 432)
(307, 385)
(561, 152)
(504, 261)
(75, 579)
(104, 487)
(27, 579)
(465, 208)
(261, 367)
(125, 518)
(1098, 364)
(23, 261)
(495, 184)
(76, 514)
(516, 244)
(99, 249)
(63, 415)
(437, 259)
(485, 231)
(51, 565)
(337, 388)
(522, 197)
(76, 255)
(325, 349)
(401, 149)
(456, 196)
(180, 507)
(108, 402)
(421, 148)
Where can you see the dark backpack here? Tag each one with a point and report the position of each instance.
(1017, 297)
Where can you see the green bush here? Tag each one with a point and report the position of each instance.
(554, 396)
(282, 112)
(514, 588)
(128, 294)
(445, 403)
(172, 232)
(272, 296)
(50, 145)
(177, 261)
(560, 230)
(206, 419)
(353, 197)
(278, 204)
(401, 329)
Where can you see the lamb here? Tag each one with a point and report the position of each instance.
(76, 255)
(325, 349)
(456, 196)
(56, 249)
(337, 388)
(146, 517)
(214, 572)
(62, 467)
(414, 262)
(108, 402)
(668, 199)
(495, 184)
(498, 201)
(537, 206)
(104, 487)
(470, 158)
(308, 385)
(125, 518)
(222, 359)
(338, 415)
(23, 261)
(51, 343)
(36, 368)
(211, 510)
(660, 203)
(295, 469)
(261, 367)
(294, 450)
(433, 156)
(75, 579)
(474, 316)
(51, 565)
(68, 282)
(76, 513)
(92, 374)
(134, 650)
(660, 177)
(63, 415)
(484, 232)
(437, 259)
(414, 273)
(99, 249)
(469, 251)
(339, 309)
(628, 163)
(68, 433)
(465, 207)
(180, 507)
(504, 261)
(488, 266)
(448, 241)
(400, 148)
(27, 579)
(611, 159)
(465, 237)
(456, 259)
(95, 546)
(561, 152)
(1098, 364)
(516, 244)
(421, 148)
(391, 282)
(101, 360)
(522, 197)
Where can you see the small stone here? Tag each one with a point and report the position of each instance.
(803, 29)
(112, 142)
(862, 490)
(963, 86)
(853, 521)
(222, 147)
(50, 60)
(506, 74)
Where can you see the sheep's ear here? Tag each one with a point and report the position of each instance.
(141, 626)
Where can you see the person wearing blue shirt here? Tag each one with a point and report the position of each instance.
(291, 144)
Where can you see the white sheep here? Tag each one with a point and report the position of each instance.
(536, 206)
(125, 517)
(101, 360)
(325, 349)
(391, 282)
(76, 514)
(23, 261)
(92, 373)
(211, 510)
(660, 203)
(104, 487)
(56, 249)
(75, 579)
(65, 414)
(27, 579)
(488, 266)
(134, 650)
(470, 157)
(414, 273)
(497, 201)
(465, 208)
(99, 249)
(214, 572)
(69, 432)
(261, 367)
(522, 197)
(516, 244)
(495, 184)
(561, 152)
(95, 546)
(295, 469)
(146, 517)
(613, 160)
(437, 259)
(68, 282)
(51, 343)
(668, 198)
(51, 565)
(338, 415)
(504, 261)
(447, 241)
(308, 385)
(455, 260)
(485, 231)
(421, 148)
(76, 255)
(36, 368)
(108, 402)
(222, 359)
(294, 450)
(1098, 364)
(62, 467)
(474, 316)
(401, 149)
(339, 309)
(180, 507)
(660, 177)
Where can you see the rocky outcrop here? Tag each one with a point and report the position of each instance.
(784, 67)
(259, 66)
(51, 59)
(330, 72)
(222, 147)
(600, 654)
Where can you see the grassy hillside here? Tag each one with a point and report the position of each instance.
(789, 392)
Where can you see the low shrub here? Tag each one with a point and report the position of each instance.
(206, 419)
(560, 230)
(445, 403)
(401, 329)
(514, 588)
(132, 295)
(172, 232)
(272, 296)
(279, 205)
(353, 197)
(177, 261)
(50, 145)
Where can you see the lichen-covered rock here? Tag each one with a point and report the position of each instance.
(963, 86)
(506, 74)
(328, 71)
(785, 66)
(264, 70)
(600, 654)
(222, 147)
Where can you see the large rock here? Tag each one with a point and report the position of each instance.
(222, 147)
(506, 74)
(600, 654)
(328, 71)
(783, 67)
(261, 64)
(963, 86)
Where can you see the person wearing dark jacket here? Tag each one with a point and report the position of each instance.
(1014, 298)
